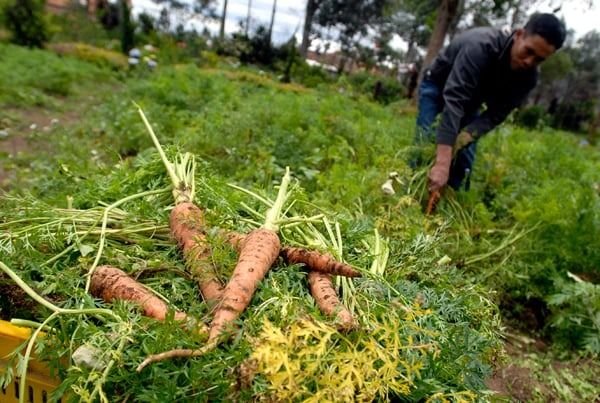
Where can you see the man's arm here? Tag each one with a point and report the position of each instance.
(460, 88)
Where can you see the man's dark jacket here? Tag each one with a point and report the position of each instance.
(475, 70)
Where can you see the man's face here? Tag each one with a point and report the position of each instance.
(529, 50)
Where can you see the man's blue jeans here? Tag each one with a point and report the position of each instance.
(431, 104)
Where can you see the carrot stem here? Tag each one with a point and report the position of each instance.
(181, 171)
(273, 213)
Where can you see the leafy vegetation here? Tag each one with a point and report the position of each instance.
(429, 321)
(26, 21)
(36, 77)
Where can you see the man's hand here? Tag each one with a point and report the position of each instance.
(462, 140)
(438, 176)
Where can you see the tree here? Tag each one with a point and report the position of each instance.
(223, 16)
(26, 21)
(127, 27)
(581, 93)
(352, 21)
(248, 16)
(311, 8)
(446, 12)
(270, 35)
(181, 11)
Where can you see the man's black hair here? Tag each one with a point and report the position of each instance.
(548, 27)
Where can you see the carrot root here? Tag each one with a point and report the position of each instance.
(316, 261)
(176, 353)
(313, 260)
(187, 227)
(258, 253)
(110, 283)
(322, 289)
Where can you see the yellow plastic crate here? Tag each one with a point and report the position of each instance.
(39, 383)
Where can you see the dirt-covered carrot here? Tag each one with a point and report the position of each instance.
(434, 198)
(187, 227)
(111, 284)
(258, 252)
(317, 261)
(187, 220)
(312, 259)
(323, 291)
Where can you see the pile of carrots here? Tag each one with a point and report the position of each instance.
(257, 253)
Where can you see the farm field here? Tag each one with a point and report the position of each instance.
(494, 297)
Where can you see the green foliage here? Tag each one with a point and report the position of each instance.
(381, 89)
(311, 76)
(75, 26)
(531, 117)
(32, 77)
(531, 217)
(26, 21)
(576, 319)
(98, 56)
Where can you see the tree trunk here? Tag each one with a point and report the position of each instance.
(223, 15)
(248, 17)
(446, 12)
(92, 6)
(272, 20)
(311, 8)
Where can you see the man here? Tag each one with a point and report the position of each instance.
(481, 67)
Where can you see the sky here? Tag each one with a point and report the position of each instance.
(290, 16)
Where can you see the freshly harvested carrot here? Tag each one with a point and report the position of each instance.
(258, 253)
(434, 198)
(187, 227)
(110, 284)
(187, 220)
(316, 261)
(323, 291)
(313, 260)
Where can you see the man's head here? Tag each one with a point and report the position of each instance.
(543, 35)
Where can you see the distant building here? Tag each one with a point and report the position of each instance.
(331, 61)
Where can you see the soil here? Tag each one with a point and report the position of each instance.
(14, 302)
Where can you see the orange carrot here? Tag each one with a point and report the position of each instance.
(258, 253)
(322, 289)
(434, 198)
(316, 261)
(187, 227)
(187, 220)
(313, 260)
(110, 284)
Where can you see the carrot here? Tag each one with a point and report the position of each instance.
(110, 284)
(187, 227)
(313, 260)
(316, 261)
(322, 289)
(187, 220)
(434, 198)
(258, 253)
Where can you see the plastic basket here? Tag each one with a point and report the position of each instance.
(39, 383)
